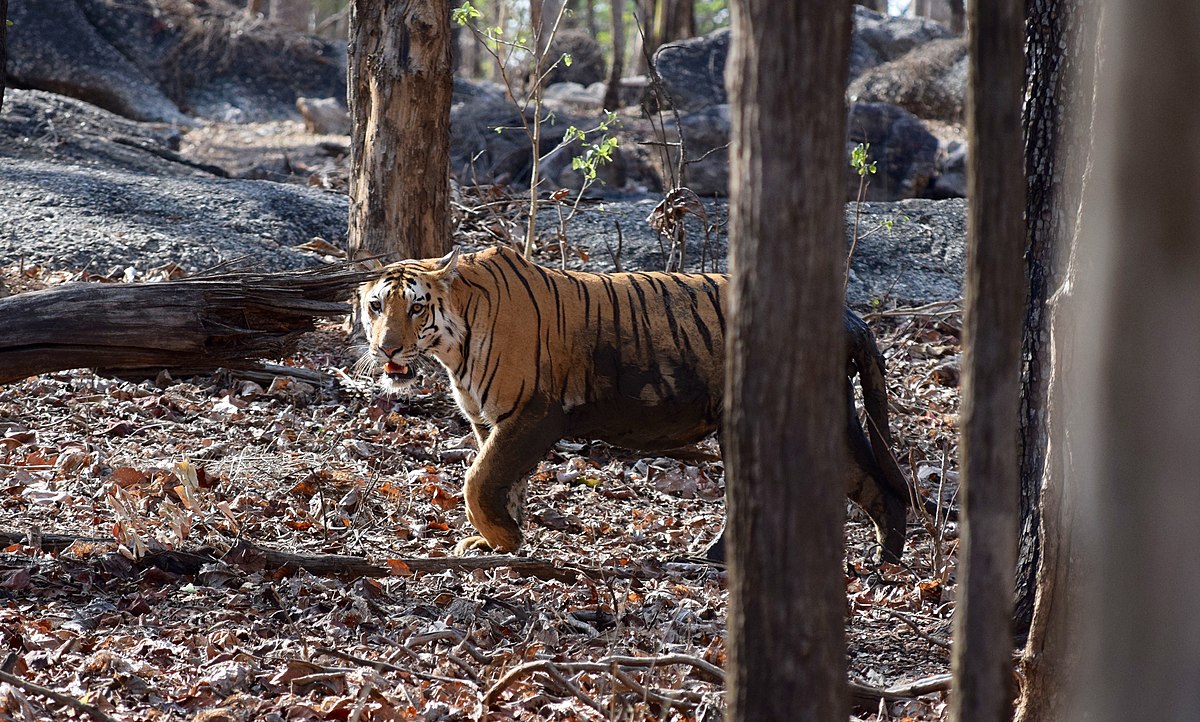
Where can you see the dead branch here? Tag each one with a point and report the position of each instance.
(78, 706)
(864, 695)
(206, 322)
(381, 666)
(939, 643)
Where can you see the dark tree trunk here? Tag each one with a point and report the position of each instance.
(1141, 371)
(786, 77)
(612, 96)
(3, 48)
(1061, 57)
(198, 324)
(879, 6)
(1056, 50)
(991, 380)
(400, 80)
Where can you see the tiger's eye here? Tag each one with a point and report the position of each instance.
(375, 306)
(416, 309)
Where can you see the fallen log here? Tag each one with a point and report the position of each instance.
(224, 320)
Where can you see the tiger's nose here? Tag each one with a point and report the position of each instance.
(388, 353)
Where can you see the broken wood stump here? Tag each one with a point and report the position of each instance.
(224, 320)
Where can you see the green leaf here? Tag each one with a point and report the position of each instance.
(567, 59)
(465, 13)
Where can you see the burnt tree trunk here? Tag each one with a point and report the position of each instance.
(612, 95)
(228, 320)
(400, 80)
(786, 380)
(991, 380)
(3, 48)
(1057, 47)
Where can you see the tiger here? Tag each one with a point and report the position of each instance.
(634, 359)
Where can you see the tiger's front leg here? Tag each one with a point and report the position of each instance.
(495, 485)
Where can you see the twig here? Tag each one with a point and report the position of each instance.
(867, 695)
(935, 309)
(389, 667)
(935, 641)
(574, 689)
(59, 697)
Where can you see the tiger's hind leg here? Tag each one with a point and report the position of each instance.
(867, 487)
(495, 485)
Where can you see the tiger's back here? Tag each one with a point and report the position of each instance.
(635, 359)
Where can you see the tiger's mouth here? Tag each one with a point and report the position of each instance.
(398, 373)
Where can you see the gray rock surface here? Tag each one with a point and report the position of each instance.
(905, 152)
(879, 38)
(908, 253)
(161, 60)
(82, 187)
(706, 133)
(929, 81)
(693, 70)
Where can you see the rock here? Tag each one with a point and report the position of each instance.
(324, 116)
(574, 94)
(53, 46)
(919, 259)
(900, 145)
(693, 71)
(879, 38)
(84, 188)
(950, 177)
(587, 59)
(929, 81)
(488, 141)
(705, 134)
(159, 60)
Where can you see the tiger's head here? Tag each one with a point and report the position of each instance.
(406, 314)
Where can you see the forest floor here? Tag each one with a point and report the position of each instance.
(122, 622)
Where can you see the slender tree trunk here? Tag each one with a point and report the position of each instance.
(612, 96)
(643, 44)
(1058, 47)
(674, 20)
(3, 48)
(958, 16)
(400, 84)
(1141, 380)
(786, 77)
(991, 381)
(294, 14)
(1062, 60)
(592, 25)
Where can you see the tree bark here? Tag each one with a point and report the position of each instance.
(199, 323)
(1062, 53)
(982, 661)
(612, 95)
(1141, 364)
(3, 48)
(1058, 48)
(675, 20)
(786, 382)
(400, 83)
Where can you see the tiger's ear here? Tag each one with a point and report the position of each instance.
(448, 266)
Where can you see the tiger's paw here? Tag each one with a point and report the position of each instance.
(471, 543)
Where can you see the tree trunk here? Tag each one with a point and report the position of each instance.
(200, 323)
(675, 20)
(643, 44)
(612, 95)
(1057, 49)
(3, 48)
(958, 16)
(1140, 355)
(991, 380)
(1061, 55)
(786, 381)
(879, 6)
(400, 81)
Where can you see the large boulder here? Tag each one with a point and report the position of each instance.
(54, 46)
(706, 132)
(161, 59)
(82, 187)
(587, 59)
(904, 151)
(929, 81)
(880, 38)
(693, 71)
